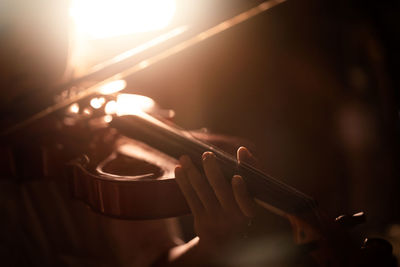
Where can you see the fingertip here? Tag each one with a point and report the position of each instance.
(185, 161)
(245, 156)
(244, 151)
(241, 153)
(242, 147)
(207, 155)
(178, 170)
(237, 180)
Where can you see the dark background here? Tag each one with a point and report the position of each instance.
(312, 84)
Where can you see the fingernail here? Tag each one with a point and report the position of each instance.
(248, 153)
(237, 179)
(207, 155)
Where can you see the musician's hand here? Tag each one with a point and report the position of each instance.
(221, 210)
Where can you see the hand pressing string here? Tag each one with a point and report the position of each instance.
(221, 209)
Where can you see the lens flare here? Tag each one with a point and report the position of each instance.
(74, 108)
(97, 102)
(129, 104)
(111, 107)
(106, 18)
(112, 87)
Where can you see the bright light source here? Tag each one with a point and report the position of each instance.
(74, 108)
(111, 107)
(87, 111)
(129, 104)
(112, 87)
(108, 18)
(108, 118)
(97, 102)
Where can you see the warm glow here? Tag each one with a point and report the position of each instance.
(87, 111)
(112, 87)
(108, 118)
(97, 102)
(111, 107)
(106, 18)
(74, 108)
(129, 104)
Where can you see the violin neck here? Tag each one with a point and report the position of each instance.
(176, 142)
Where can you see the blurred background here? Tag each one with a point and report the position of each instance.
(312, 84)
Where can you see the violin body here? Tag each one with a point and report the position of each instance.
(158, 196)
(148, 191)
(126, 171)
(134, 180)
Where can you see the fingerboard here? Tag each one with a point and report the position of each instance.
(176, 142)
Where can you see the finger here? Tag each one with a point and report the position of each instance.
(244, 155)
(201, 186)
(219, 183)
(243, 199)
(190, 195)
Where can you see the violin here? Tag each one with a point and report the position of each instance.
(124, 169)
(135, 170)
(152, 193)
(150, 146)
(167, 144)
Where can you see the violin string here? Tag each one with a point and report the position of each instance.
(257, 173)
(199, 146)
(274, 187)
(270, 178)
(202, 146)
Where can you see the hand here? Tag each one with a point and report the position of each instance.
(221, 210)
